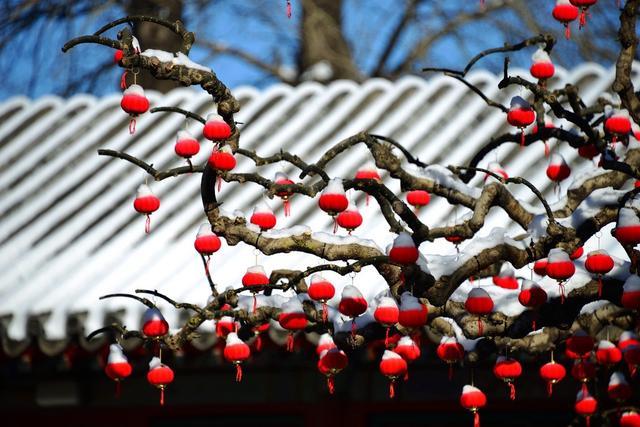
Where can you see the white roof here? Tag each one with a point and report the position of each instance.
(69, 233)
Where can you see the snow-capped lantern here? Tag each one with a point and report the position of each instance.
(532, 296)
(450, 351)
(497, 169)
(564, 12)
(479, 303)
(332, 361)
(631, 293)
(579, 345)
(134, 103)
(255, 278)
(403, 250)
(292, 318)
(413, 314)
(418, 199)
(560, 267)
(392, 366)
(618, 124)
(325, 343)
(216, 129)
(583, 5)
(368, 171)
(206, 243)
(520, 115)
(542, 67)
(118, 366)
(585, 405)
(407, 349)
(387, 314)
(350, 218)
(506, 279)
(187, 145)
(599, 263)
(226, 324)
(552, 373)
(630, 419)
(321, 290)
(146, 203)
(619, 388)
(558, 170)
(282, 179)
(627, 339)
(607, 353)
(352, 304)
(222, 160)
(154, 324)
(159, 376)
(508, 370)
(627, 229)
(473, 399)
(333, 199)
(540, 267)
(263, 216)
(236, 351)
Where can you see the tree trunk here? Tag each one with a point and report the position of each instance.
(152, 36)
(322, 40)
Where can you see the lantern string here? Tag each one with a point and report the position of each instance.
(330, 384)
(549, 388)
(258, 341)
(290, 342)
(325, 312)
(161, 395)
(476, 419)
(512, 390)
(392, 390)
(123, 80)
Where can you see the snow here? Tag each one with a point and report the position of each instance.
(604, 344)
(540, 56)
(617, 378)
(404, 240)
(444, 177)
(256, 269)
(409, 302)
(557, 255)
(406, 341)
(144, 191)
(204, 230)
(627, 217)
(593, 306)
(116, 354)
(177, 58)
(517, 102)
(368, 167)
(387, 302)
(321, 71)
(334, 187)
(466, 343)
(334, 239)
(232, 339)
(262, 208)
(293, 305)
(134, 90)
(184, 134)
(581, 177)
(632, 284)
(351, 291)
(388, 355)
(556, 159)
(470, 389)
(506, 270)
(298, 230)
(155, 363)
(325, 339)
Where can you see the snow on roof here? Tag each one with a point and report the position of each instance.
(69, 233)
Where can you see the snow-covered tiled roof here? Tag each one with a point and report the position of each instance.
(69, 233)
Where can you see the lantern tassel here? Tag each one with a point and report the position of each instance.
(480, 328)
(238, 373)
(259, 342)
(132, 126)
(206, 264)
(290, 342)
(521, 138)
(354, 328)
(549, 388)
(562, 297)
(450, 371)
(161, 395)
(392, 389)
(599, 285)
(366, 199)
(325, 312)
(287, 207)
(588, 421)
(289, 9)
(476, 419)
(330, 384)
(147, 224)
(123, 81)
(219, 183)
(585, 389)
(118, 389)
(567, 31)
(255, 302)
(546, 149)
(386, 338)
(335, 224)
(512, 390)
(406, 375)
(583, 17)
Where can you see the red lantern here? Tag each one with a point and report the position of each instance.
(134, 103)
(407, 349)
(225, 325)
(206, 242)
(263, 217)
(392, 366)
(579, 345)
(216, 129)
(293, 318)
(558, 169)
(333, 199)
(282, 179)
(508, 370)
(532, 296)
(118, 366)
(349, 219)
(560, 267)
(565, 12)
(473, 399)
(607, 353)
(404, 250)
(352, 304)
(321, 290)
(236, 351)
(631, 293)
(413, 314)
(146, 203)
(585, 405)
(520, 115)
(618, 124)
(325, 343)
(332, 361)
(496, 168)
(368, 171)
(618, 388)
(387, 314)
(153, 323)
(479, 303)
(599, 262)
(552, 373)
(540, 267)
(627, 229)
(630, 419)
(255, 277)
(418, 199)
(627, 339)
(506, 278)
(542, 67)
(186, 145)
(222, 160)
(159, 376)
(450, 351)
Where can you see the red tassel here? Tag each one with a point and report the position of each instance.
(450, 371)
(290, 342)
(512, 391)
(521, 138)
(583, 18)
(325, 312)
(476, 419)
(147, 225)
(123, 81)
(255, 302)
(533, 323)
(118, 389)
(287, 207)
(567, 31)
(259, 342)
(366, 199)
(406, 375)
(289, 9)
(161, 395)
(588, 421)
(562, 297)
(330, 384)
(480, 328)
(219, 182)
(599, 285)
(238, 373)
(392, 389)
(549, 388)
(132, 126)
(386, 338)
(546, 149)
(632, 369)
